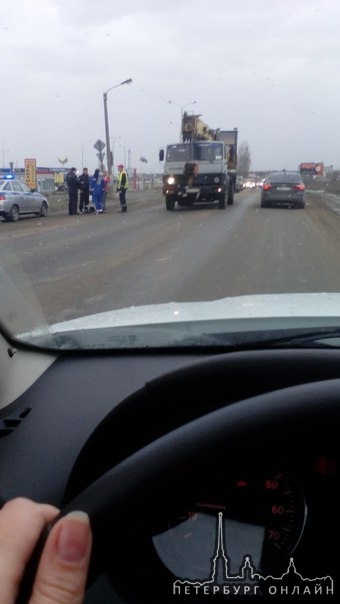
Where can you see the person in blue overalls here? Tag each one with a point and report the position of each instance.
(97, 189)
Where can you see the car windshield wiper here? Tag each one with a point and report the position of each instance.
(313, 337)
(316, 338)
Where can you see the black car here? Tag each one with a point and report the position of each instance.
(283, 189)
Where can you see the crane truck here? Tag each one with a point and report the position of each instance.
(200, 168)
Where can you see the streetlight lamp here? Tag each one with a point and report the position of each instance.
(182, 107)
(107, 134)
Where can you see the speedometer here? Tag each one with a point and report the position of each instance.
(262, 518)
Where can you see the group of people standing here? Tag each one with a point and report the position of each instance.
(97, 186)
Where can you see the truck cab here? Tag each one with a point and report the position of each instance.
(195, 171)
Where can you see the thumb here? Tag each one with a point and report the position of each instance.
(62, 571)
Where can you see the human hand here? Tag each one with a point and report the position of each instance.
(63, 566)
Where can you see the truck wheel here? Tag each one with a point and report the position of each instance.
(221, 202)
(170, 203)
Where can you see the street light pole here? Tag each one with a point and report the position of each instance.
(3, 151)
(182, 107)
(113, 153)
(106, 118)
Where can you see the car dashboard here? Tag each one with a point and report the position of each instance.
(203, 473)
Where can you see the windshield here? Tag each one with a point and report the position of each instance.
(208, 152)
(284, 176)
(150, 133)
(194, 152)
(179, 153)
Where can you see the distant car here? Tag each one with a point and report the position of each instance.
(250, 184)
(16, 199)
(239, 184)
(283, 189)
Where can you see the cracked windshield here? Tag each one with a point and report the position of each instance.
(157, 154)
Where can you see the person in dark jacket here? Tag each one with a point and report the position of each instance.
(73, 186)
(84, 185)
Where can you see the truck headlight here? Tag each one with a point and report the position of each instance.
(171, 180)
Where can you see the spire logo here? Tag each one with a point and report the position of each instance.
(248, 582)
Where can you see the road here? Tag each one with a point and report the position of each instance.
(80, 265)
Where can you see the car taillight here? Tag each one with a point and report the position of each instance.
(2, 198)
(299, 187)
(266, 187)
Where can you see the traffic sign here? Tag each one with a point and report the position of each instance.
(99, 145)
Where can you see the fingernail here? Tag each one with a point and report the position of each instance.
(73, 539)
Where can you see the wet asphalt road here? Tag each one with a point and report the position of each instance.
(85, 264)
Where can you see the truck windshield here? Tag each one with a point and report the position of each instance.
(199, 151)
(181, 153)
(208, 151)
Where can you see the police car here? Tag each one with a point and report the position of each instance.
(16, 199)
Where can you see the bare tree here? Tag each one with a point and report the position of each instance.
(244, 159)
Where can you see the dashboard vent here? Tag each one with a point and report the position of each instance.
(8, 424)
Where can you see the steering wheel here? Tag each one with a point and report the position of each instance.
(283, 424)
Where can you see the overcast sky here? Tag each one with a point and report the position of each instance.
(271, 68)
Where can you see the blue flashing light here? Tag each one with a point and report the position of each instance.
(8, 176)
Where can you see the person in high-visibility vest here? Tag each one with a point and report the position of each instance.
(122, 186)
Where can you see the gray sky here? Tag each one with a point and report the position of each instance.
(271, 68)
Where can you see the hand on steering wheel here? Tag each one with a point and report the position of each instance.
(62, 570)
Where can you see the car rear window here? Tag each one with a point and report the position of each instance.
(285, 177)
